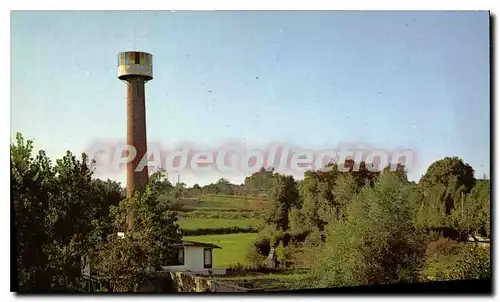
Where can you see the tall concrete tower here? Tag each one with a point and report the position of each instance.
(135, 69)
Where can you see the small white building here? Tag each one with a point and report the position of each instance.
(195, 257)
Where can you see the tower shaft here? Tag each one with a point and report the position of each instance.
(136, 68)
(136, 135)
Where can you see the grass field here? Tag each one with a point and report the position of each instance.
(234, 247)
(213, 223)
(223, 211)
(213, 213)
(228, 201)
(194, 207)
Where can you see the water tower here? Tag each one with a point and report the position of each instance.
(135, 69)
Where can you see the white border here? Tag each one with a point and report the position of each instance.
(195, 5)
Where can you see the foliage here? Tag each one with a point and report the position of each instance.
(452, 173)
(309, 202)
(473, 263)
(283, 197)
(296, 220)
(325, 195)
(430, 209)
(125, 263)
(160, 180)
(281, 255)
(442, 246)
(60, 214)
(148, 245)
(345, 190)
(186, 223)
(260, 183)
(218, 231)
(257, 252)
(222, 186)
(472, 215)
(229, 214)
(377, 243)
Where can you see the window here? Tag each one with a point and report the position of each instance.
(180, 256)
(137, 58)
(207, 258)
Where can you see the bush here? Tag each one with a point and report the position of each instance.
(286, 254)
(254, 258)
(258, 251)
(442, 246)
(218, 231)
(314, 239)
(299, 236)
(276, 238)
(377, 243)
(243, 269)
(474, 263)
(263, 246)
(281, 256)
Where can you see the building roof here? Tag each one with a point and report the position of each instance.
(200, 244)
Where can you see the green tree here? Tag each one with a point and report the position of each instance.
(124, 262)
(59, 215)
(318, 192)
(472, 263)
(472, 214)
(160, 180)
(148, 246)
(377, 243)
(345, 190)
(430, 209)
(296, 221)
(31, 185)
(283, 197)
(260, 183)
(224, 186)
(454, 174)
(310, 205)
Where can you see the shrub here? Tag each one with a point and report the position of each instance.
(314, 239)
(218, 231)
(287, 253)
(243, 269)
(442, 246)
(254, 258)
(296, 220)
(299, 236)
(263, 246)
(281, 256)
(377, 243)
(258, 251)
(474, 263)
(276, 238)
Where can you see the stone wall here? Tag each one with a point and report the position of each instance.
(185, 282)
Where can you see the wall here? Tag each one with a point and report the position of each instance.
(185, 282)
(193, 260)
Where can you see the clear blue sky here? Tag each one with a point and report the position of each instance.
(391, 79)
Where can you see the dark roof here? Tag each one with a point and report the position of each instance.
(200, 244)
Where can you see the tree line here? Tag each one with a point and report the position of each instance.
(362, 226)
(64, 219)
